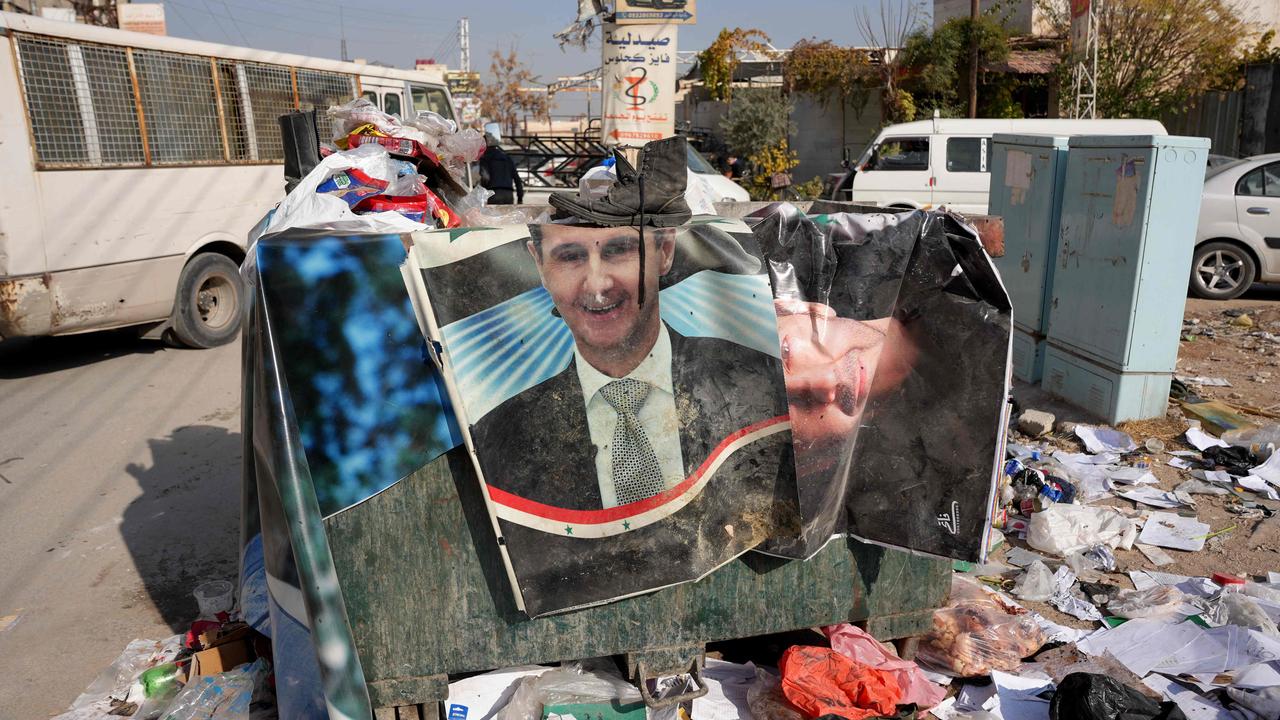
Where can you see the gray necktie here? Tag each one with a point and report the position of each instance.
(636, 473)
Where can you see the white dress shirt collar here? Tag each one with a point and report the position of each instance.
(655, 369)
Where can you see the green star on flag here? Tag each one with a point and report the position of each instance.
(626, 524)
(568, 529)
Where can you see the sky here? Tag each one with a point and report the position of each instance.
(397, 32)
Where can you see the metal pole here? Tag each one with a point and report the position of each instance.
(973, 58)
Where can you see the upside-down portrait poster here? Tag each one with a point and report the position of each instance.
(628, 419)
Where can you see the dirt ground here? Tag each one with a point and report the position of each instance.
(1217, 343)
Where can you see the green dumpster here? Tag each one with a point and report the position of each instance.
(369, 554)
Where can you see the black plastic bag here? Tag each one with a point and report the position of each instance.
(1086, 696)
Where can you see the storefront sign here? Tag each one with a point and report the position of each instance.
(639, 83)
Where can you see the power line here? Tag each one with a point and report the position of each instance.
(293, 31)
(234, 23)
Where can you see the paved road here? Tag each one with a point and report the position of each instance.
(119, 492)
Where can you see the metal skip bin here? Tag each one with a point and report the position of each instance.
(1027, 173)
(1129, 212)
(369, 550)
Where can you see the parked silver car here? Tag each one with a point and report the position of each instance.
(1238, 239)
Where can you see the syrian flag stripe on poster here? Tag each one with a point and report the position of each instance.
(639, 83)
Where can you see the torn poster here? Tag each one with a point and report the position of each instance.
(622, 446)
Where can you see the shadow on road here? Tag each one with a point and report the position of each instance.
(27, 357)
(185, 527)
(1260, 291)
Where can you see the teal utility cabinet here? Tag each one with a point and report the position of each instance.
(1027, 173)
(1130, 205)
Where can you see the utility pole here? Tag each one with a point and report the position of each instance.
(464, 44)
(973, 58)
(342, 30)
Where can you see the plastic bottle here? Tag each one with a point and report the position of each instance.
(1259, 440)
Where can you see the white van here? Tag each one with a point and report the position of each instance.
(134, 166)
(944, 161)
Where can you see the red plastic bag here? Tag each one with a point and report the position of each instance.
(821, 681)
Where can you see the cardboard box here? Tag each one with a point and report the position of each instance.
(224, 651)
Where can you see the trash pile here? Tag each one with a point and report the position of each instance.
(386, 175)
(219, 670)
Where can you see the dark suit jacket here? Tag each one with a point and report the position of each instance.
(537, 444)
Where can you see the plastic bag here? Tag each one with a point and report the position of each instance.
(116, 680)
(351, 116)
(1234, 608)
(766, 700)
(1036, 583)
(433, 123)
(1159, 601)
(1086, 696)
(860, 646)
(572, 684)
(821, 681)
(977, 633)
(305, 208)
(225, 696)
(461, 148)
(1062, 529)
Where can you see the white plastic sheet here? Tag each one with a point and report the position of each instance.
(1061, 529)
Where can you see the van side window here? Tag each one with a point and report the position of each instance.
(901, 154)
(371, 96)
(433, 99)
(968, 154)
(391, 103)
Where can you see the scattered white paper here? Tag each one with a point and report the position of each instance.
(1158, 557)
(1258, 677)
(1174, 531)
(944, 710)
(972, 698)
(1269, 470)
(727, 685)
(480, 695)
(1180, 463)
(1018, 451)
(1105, 458)
(1273, 577)
(1202, 440)
(1258, 485)
(1195, 586)
(1019, 695)
(1063, 580)
(1191, 703)
(1185, 454)
(1204, 381)
(1142, 644)
(1133, 476)
(1098, 439)
(1154, 497)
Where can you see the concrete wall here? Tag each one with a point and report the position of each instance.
(819, 135)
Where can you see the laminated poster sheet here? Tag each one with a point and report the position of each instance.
(786, 380)
(623, 446)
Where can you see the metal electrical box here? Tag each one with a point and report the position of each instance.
(1027, 174)
(1129, 211)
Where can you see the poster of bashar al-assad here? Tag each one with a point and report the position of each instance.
(625, 403)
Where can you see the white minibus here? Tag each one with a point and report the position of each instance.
(944, 161)
(134, 165)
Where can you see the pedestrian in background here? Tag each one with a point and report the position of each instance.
(498, 171)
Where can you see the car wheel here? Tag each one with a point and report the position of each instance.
(1221, 271)
(206, 311)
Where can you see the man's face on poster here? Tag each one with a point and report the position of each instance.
(593, 277)
(829, 364)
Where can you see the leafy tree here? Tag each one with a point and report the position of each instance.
(757, 118)
(828, 72)
(504, 98)
(719, 61)
(936, 66)
(1156, 55)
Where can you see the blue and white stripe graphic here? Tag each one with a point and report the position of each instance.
(500, 352)
(738, 308)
